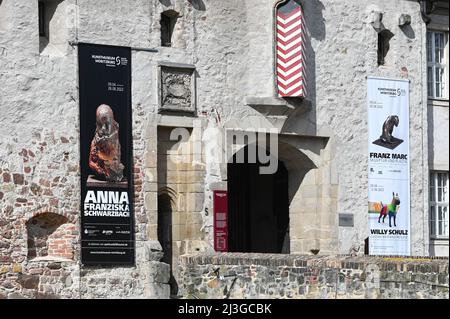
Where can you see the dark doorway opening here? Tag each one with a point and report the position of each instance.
(165, 236)
(366, 246)
(258, 208)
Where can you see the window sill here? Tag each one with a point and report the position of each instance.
(439, 239)
(50, 259)
(438, 102)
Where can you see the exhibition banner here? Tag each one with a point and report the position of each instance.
(107, 223)
(389, 168)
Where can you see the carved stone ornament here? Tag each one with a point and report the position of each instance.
(177, 87)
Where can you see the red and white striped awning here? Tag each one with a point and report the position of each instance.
(290, 50)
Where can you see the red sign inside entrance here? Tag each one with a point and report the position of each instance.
(221, 221)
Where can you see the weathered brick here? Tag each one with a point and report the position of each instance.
(35, 189)
(6, 178)
(17, 268)
(23, 152)
(54, 201)
(29, 281)
(48, 192)
(9, 210)
(18, 179)
(36, 271)
(4, 270)
(44, 182)
(5, 258)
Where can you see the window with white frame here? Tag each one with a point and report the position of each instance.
(437, 58)
(439, 204)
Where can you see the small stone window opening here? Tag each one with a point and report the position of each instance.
(53, 32)
(383, 46)
(3, 16)
(168, 22)
(42, 31)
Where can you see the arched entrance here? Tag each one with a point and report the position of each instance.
(258, 206)
(290, 211)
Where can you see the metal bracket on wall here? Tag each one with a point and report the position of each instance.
(152, 50)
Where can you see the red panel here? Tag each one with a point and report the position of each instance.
(221, 221)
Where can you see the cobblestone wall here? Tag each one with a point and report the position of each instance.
(53, 277)
(293, 276)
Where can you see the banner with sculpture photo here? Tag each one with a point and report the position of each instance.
(107, 235)
(389, 166)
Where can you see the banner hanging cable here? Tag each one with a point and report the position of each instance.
(152, 50)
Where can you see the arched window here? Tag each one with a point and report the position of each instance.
(50, 236)
(290, 49)
(168, 20)
(3, 16)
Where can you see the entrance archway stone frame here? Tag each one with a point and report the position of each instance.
(313, 192)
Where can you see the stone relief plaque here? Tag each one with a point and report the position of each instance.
(177, 91)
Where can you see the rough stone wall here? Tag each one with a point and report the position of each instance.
(39, 150)
(56, 278)
(231, 44)
(342, 52)
(254, 276)
(39, 280)
(38, 155)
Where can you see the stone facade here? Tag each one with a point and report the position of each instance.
(259, 276)
(230, 44)
(438, 117)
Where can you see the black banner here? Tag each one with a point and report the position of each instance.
(107, 222)
(231, 308)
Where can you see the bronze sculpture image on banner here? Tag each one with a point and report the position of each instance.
(107, 220)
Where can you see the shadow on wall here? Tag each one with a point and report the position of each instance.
(197, 4)
(53, 22)
(408, 31)
(314, 21)
(2, 17)
(166, 3)
(50, 235)
(166, 203)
